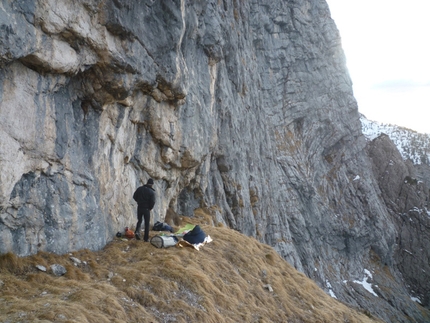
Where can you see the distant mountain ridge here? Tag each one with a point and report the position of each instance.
(412, 145)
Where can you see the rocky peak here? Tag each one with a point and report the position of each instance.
(412, 145)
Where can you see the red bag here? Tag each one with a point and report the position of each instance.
(128, 233)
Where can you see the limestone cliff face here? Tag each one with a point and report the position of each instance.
(242, 108)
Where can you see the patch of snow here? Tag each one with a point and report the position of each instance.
(368, 286)
(356, 178)
(416, 299)
(368, 273)
(330, 289)
(415, 209)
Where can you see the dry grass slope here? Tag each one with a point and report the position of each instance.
(132, 281)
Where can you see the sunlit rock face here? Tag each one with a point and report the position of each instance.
(242, 108)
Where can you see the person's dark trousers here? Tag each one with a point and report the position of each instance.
(145, 213)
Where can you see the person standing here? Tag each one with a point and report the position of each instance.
(145, 198)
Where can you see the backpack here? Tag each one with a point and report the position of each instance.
(128, 233)
(158, 226)
(196, 235)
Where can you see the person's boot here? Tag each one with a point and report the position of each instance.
(137, 236)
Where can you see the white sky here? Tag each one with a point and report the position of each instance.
(387, 47)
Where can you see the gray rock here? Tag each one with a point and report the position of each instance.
(76, 261)
(58, 270)
(41, 268)
(268, 287)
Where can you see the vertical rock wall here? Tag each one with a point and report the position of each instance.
(240, 107)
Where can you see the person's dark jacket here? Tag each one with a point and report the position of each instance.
(145, 197)
(195, 236)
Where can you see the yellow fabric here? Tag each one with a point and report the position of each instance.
(187, 227)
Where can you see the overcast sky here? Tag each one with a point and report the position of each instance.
(387, 47)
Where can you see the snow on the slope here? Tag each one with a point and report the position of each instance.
(411, 144)
(371, 129)
(330, 289)
(416, 299)
(368, 286)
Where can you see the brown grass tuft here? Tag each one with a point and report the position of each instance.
(12, 264)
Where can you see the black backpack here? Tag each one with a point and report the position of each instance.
(158, 226)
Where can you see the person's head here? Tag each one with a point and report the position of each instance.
(150, 182)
